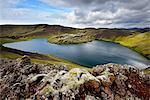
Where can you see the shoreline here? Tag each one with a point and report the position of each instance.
(26, 39)
(37, 58)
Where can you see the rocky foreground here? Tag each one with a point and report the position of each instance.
(21, 79)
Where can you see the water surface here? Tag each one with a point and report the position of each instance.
(86, 54)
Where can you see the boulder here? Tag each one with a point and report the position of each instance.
(25, 60)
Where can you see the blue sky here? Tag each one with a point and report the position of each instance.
(40, 6)
(77, 13)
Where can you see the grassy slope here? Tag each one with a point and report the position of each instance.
(9, 40)
(139, 42)
(18, 30)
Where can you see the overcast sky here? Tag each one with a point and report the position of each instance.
(77, 13)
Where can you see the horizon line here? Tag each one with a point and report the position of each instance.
(76, 27)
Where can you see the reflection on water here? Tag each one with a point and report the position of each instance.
(87, 54)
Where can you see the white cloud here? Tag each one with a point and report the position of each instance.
(8, 3)
(85, 13)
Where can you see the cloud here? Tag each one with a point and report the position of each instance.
(8, 3)
(30, 16)
(83, 13)
(107, 13)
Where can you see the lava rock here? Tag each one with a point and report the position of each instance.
(25, 60)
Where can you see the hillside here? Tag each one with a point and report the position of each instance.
(32, 30)
(18, 31)
(46, 30)
(139, 42)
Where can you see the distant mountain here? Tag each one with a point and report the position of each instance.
(142, 30)
(32, 30)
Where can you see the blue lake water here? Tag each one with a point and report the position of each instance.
(86, 54)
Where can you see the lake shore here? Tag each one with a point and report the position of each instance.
(37, 58)
(53, 39)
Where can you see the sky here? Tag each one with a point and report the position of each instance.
(77, 13)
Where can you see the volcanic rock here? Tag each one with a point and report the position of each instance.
(22, 79)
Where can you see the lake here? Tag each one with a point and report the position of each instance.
(86, 54)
